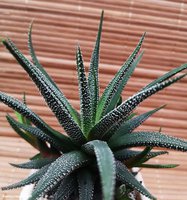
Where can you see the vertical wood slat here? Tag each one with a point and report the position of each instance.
(60, 24)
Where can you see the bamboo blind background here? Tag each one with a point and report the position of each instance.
(58, 26)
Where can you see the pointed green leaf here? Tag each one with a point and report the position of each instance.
(125, 176)
(115, 82)
(157, 166)
(20, 117)
(106, 166)
(59, 169)
(31, 179)
(138, 159)
(29, 114)
(37, 156)
(167, 76)
(62, 145)
(25, 135)
(119, 114)
(36, 62)
(93, 82)
(122, 83)
(86, 184)
(133, 123)
(126, 154)
(35, 164)
(85, 97)
(152, 139)
(153, 155)
(53, 97)
(66, 188)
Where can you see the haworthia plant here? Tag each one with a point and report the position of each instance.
(93, 162)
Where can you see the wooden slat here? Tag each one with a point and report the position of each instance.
(58, 26)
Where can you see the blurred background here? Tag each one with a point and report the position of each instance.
(58, 26)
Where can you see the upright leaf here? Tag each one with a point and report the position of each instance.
(84, 92)
(93, 82)
(152, 139)
(106, 166)
(122, 83)
(36, 62)
(55, 100)
(58, 170)
(119, 114)
(115, 82)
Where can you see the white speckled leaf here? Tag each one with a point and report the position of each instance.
(84, 93)
(152, 139)
(115, 83)
(59, 169)
(106, 166)
(60, 144)
(55, 99)
(125, 176)
(31, 179)
(117, 116)
(85, 184)
(130, 125)
(36, 62)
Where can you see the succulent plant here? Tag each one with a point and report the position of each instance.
(95, 159)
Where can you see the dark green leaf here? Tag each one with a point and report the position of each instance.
(25, 135)
(119, 114)
(167, 75)
(64, 146)
(58, 170)
(106, 166)
(53, 97)
(122, 83)
(114, 84)
(85, 97)
(126, 154)
(36, 62)
(31, 179)
(35, 164)
(93, 82)
(66, 188)
(133, 123)
(125, 176)
(152, 139)
(138, 159)
(86, 184)
(157, 166)
(35, 119)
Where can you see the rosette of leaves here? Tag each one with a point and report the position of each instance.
(94, 160)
